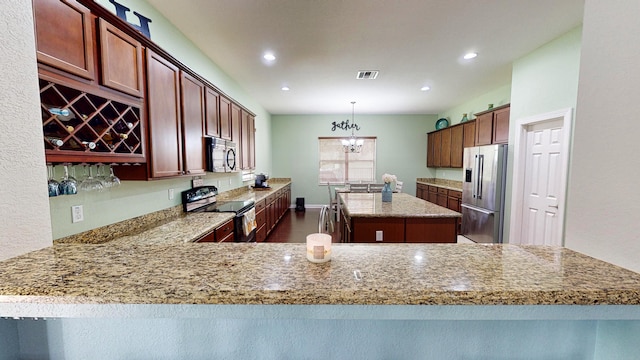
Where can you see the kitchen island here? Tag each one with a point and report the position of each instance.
(366, 218)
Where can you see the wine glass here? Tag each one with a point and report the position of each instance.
(102, 176)
(113, 179)
(68, 184)
(91, 183)
(54, 186)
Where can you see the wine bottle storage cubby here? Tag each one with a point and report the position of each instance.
(83, 127)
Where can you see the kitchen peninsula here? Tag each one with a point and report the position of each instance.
(366, 218)
(229, 296)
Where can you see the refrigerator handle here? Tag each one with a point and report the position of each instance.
(480, 173)
(475, 177)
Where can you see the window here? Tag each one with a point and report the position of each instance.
(337, 166)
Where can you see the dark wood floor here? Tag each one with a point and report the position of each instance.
(295, 226)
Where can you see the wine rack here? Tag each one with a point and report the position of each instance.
(82, 127)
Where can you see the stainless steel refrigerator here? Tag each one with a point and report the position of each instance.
(483, 193)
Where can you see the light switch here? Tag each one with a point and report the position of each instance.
(378, 235)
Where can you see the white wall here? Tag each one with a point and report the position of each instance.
(544, 80)
(603, 218)
(25, 224)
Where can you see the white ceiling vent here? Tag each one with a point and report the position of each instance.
(367, 74)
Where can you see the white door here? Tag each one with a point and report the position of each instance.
(541, 183)
(540, 177)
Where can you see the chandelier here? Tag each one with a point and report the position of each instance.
(352, 144)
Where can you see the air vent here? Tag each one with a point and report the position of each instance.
(367, 74)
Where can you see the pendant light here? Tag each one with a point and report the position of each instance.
(352, 144)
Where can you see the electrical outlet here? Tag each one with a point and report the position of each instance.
(197, 181)
(77, 214)
(170, 194)
(378, 235)
(229, 181)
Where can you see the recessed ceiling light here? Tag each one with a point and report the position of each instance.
(285, 88)
(269, 56)
(425, 88)
(469, 56)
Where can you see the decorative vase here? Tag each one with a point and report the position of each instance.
(386, 192)
(464, 118)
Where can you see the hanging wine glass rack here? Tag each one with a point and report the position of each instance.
(82, 127)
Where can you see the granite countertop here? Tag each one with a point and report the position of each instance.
(443, 183)
(169, 226)
(403, 205)
(360, 274)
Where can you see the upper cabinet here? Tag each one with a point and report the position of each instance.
(64, 36)
(110, 94)
(492, 126)
(121, 60)
(165, 118)
(445, 146)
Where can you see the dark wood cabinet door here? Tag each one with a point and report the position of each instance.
(192, 124)
(457, 137)
(225, 118)
(247, 141)
(163, 100)
(469, 134)
(431, 230)
(364, 230)
(437, 148)
(484, 129)
(501, 126)
(121, 60)
(225, 232)
(445, 152)
(64, 36)
(212, 112)
(430, 155)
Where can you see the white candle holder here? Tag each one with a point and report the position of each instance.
(318, 247)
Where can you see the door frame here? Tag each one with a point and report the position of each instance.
(520, 153)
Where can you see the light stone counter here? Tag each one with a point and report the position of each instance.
(403, 205)
(245, 274)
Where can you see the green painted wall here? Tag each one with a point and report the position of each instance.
(135, 198)
(400, 146)
(545, 80)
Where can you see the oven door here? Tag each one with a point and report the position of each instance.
(215, 154)
(245, 233)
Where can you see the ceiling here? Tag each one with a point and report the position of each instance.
(320, 45)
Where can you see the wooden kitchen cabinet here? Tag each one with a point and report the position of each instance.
(65, 37)
(212, 112)
(120, 60)
(225, 232)
(192, 101)
(433, 194)
(364, 230)
(225, 118)
(247, 141)
(431, 230)
(445, 147)
(442, 197)
(454, 200)
(165, 129)
(422, 191)
(492, 126)
(456, 146)
(469, 134)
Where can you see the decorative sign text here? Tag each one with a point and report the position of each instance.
(344, 125)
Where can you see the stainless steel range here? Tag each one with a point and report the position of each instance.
(203, 199)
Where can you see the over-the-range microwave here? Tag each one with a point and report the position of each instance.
(220, 155)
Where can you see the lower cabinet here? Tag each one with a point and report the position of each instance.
(399, 230)
(261, 221)
(276, 205)
(223, 233)
(451, 199)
